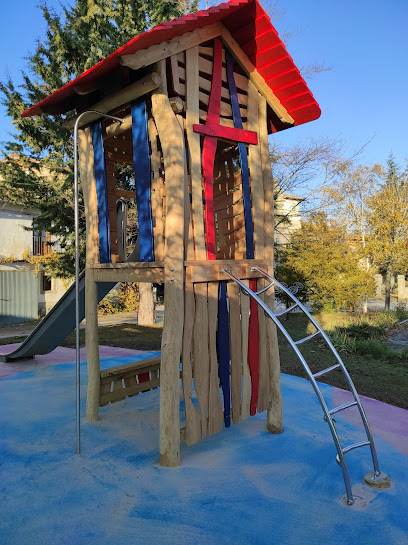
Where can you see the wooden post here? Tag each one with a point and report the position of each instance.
(274, 413)
(171, 139)
(86, 166)
(257, 192)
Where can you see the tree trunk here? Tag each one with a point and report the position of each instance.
(388, 278)
(146, 307)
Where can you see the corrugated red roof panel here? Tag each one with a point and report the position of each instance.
(249, 25)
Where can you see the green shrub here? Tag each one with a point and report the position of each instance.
(123, 299)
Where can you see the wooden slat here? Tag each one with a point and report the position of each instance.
(226, 200)
(255, 77)
(192, 417)
(206, 67)
(122, 393)
(171, 139)
(225, 107)
(176, 73)
(201, 354)
(155, 53)
(205, 88)
(194, 148)
(274, 413)
(229, 225)
(215, 409)
(235, 349)
(224, 122)
(210, 271)
(246, 378)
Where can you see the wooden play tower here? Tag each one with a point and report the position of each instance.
(197, 97)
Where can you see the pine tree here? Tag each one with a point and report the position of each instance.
(37, 169)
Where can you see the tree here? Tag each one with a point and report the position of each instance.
(324, 257)
(387, 244)
(37, 170)
(348, 198)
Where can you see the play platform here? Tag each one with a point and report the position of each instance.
(243, 486)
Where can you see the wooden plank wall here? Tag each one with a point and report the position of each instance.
(190, 74)
(189, 78)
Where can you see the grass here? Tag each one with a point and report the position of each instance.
(376, 369)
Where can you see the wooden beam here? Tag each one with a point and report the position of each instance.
(255, 77)
(124, 193)
(86, 165)
(161, 51)
(114, 129)
(171, 138)
(145, 85)
(210, 271)
(274, 418)
(193, 139)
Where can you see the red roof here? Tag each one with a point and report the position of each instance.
(249, 25)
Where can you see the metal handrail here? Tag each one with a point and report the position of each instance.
(76, 217)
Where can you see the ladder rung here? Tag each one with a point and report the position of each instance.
(307, 338)
(341, 407)
(355, 445)
(286, 310)
(326, 370)
(264, 289)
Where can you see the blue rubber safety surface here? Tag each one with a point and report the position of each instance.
(241, 486)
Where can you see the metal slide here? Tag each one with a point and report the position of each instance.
(57, 324)
(60, 321)
(376, 477)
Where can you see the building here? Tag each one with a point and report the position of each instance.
(25, 294)
(287, 217)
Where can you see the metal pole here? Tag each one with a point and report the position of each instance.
(76, 215)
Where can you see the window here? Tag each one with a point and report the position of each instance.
(45, 283)
(41, 243)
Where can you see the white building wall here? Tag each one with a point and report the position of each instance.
(14, 239)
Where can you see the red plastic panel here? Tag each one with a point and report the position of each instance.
(229, 133)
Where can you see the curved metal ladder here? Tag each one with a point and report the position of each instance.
(328, 413)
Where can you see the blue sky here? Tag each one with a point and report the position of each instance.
(364, 41)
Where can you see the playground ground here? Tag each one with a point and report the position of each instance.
(242, 486)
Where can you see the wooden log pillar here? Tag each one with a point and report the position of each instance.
(172, 141)
(274, 412)
(86, 166)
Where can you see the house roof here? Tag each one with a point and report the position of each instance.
(251, 27)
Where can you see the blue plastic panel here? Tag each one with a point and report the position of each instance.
(141, 165)
(102, 194)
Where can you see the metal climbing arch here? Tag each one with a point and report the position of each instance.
(376, 477)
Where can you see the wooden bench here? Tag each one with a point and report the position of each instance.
(128, 380)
